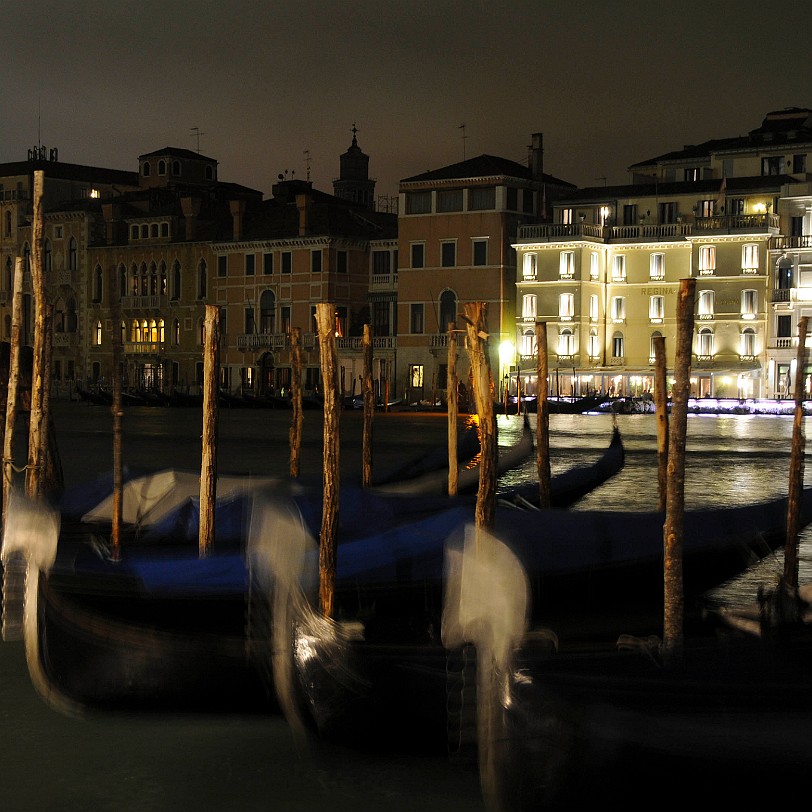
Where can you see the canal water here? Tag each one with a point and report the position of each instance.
(208, 762)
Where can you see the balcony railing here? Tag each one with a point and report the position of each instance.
(143, 347)
(65, 340)
(781, 295)
(262, 341)
(783, 243)
(384, 281)
(737, 223)
(559, 231)
(155, 302)
(356, 343)
(783, 343)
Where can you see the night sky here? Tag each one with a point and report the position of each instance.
(267, 81)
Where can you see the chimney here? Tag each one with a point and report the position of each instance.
(303, 205)
(191, 208)
(237, 214)
(112, 221)
(537, 156)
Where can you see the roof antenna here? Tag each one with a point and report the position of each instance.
(196, 133)
(307, 163)
(464, 136)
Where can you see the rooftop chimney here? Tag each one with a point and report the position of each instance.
(237, 214)
(191, 208)
(537, 156)
(303, 205)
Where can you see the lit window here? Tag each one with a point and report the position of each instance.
(707, 259)
(593, 265)
(705, 342)
(748, 342)
(704, 304)
(656, 308)
(618, 308)
(566, 264)
(604, 212)
(657, 266)
(528, 343)
(652, 355)
(566, 306)
(529, 266)
(529, 307)
(618, 347)
(593, 307)
(749, 259)
(566, 217)
(566, 342)
(619, 268)
(594, 345)
(416, 376)
(749, 304)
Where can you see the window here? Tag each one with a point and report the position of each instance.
(418, 202)
(566, 264)
(604, 215)
(784, 273)
(174, 336)
(656, 309)
(267, 313)
(749, 259)
(161, 167)
(153, 230)
(771, 165)
(747, 346)
(482, 198)
(284, 314)
(164, 229)
(267, 264)
(418, 254)
(529, 307)
(8, 223)
(448, 309)
(566, 217)
(652, 353)
(73, 255)
(706, 208)
(619, 268)
(798, 164)
(618, 349)
(46, 256)
(250, 264)
(667, 212)
(784, 327)
(512, 198)
(416, 318)
(250, 327)
(381, 262)
(707, 260)
(201, 279)
(416, 376)
(449, 200)
(97, 284)
(287, 261)
(594, 270)
(97, 338)
(691, 173)
(222, 266)
(749, 304)
(594, 347)
(593, 307)
(734, 205)
(528, 343)
(566, 306)
(176, 282)
(630, 214)
(618, 308)
(656, 268)
(448, 254)
(705, 343)
(315, 261)
(480, 252)
(341, 262)
(529, 266)
(144, 231)
(146, 169)
(704, 304)
(566, 342)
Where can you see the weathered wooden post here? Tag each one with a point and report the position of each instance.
(369, 408)
(13, 384)
(38, 415)
(295, 432)
(796, 467)
(118, 416)
(452, 396)
(543, 418)
(673, 615)
(208, 468)
(661, 409)
(328, 538)
(475, 313)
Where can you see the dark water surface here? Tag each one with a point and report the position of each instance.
(222, 762)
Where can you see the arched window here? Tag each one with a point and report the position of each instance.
(123, 332)
(618, 345)
(8, 280)
(161, 167)
(122, 280)
(748, 342)
(705, 343)
(164, 229)
(144, 280)
(175, 332)
(134, 279)
(267, 313)
(528, 343)
(27, 258)
(145, 330)
(46, 256)
(8, 224)
(97, 284)
(594, 346)
(144, 231)
(651, 354)
(153, 230)
(566, 342)
(71, 321)
(73, 255)
(135, 331)
(162, 279)
(153, 279)
(146, 169)
(176, 168)
(201, 332)
(98, 334)
(176, 281)
(209, 172)
(133, 232)
(448, 309)
(784, 273)
(201, 279)
(59, 315)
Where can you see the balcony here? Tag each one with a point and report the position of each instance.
(144, 348)
(558, 231)
(253, 342)
(65, 340)
(154, 302)
(781, 295)
(766, 223)
(384, 282)
(356, 343)
(784, 243)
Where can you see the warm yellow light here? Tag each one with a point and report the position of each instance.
(760, 208)
(507, 352)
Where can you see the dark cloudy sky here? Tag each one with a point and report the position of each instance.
(608, 83)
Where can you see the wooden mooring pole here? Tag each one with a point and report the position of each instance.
(477, 345)
(13, 384)
(328, 539)
(796, 466)
(369, 409)
(673, 527)
(661, 409)
(118, 417)
(542, 418)
(295, 431)
(211, 411)
(452, 397)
